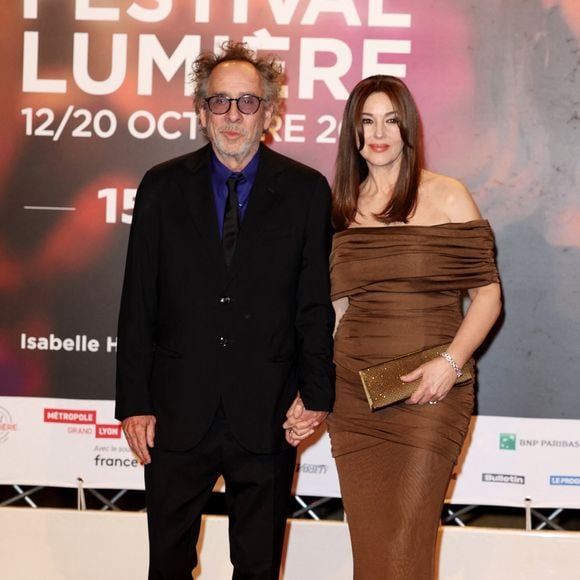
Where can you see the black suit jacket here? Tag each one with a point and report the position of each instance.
(193, 333)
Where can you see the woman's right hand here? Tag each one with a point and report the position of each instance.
(437, 379)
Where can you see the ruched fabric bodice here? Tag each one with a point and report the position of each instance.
(404, 285)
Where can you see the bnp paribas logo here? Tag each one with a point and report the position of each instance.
(507, 441)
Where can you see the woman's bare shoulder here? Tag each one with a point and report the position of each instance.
(450, 196)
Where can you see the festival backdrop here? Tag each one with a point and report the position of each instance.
(94, 92)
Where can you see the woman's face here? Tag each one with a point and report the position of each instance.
(383, 144)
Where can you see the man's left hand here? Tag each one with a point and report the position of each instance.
(300, 422)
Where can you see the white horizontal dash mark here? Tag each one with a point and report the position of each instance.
(49, 208)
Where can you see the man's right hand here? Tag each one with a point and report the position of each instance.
(140, 434)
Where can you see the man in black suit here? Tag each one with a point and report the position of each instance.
(224, 346)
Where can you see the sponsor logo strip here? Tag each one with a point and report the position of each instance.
(507, 441)
(503, 478)
(108, 431)
(70, 416)
(564, 479)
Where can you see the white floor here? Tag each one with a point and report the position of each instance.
(48, 544)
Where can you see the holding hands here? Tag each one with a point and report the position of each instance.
(300, 422)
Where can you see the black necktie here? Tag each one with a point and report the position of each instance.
(231, 217)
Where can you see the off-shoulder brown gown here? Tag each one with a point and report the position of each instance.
(404, 285)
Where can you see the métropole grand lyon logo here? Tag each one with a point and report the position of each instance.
(507, 441)
(82, 422)
(6, 424)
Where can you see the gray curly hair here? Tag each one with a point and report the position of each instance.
(268, 67)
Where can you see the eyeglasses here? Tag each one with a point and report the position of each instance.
(247, 104)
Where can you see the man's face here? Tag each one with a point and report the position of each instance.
(235, 137)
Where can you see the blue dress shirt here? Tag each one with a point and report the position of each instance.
(219, 177)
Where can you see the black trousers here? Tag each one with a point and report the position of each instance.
(178, 485)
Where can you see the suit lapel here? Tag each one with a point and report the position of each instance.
(263, 197)
(197, 192)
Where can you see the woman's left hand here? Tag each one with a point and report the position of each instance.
(437, 379)
(300, 422)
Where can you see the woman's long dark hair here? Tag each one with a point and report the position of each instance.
(351, 169)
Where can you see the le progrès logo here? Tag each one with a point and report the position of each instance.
(565, 480)
(507, 441)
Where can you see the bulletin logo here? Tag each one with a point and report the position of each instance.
(503, 478)
(507, 441)
(7, 426)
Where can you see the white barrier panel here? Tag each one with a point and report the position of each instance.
(45, 441)
(509, 459)
(506, 459)
(67, 545)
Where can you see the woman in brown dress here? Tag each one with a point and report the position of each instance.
(409, 244)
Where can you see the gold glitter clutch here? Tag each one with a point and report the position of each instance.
(383, 385)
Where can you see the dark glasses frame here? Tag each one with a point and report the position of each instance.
(247, 108)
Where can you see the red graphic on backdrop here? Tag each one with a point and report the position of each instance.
(108, 432)
(70, 416)
(82, 417)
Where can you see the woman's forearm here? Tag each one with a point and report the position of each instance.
(479, 319)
